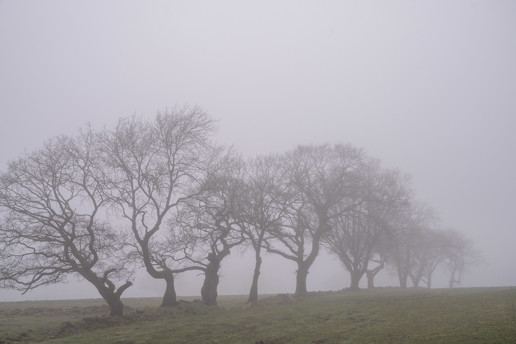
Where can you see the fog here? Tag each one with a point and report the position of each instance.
(428, 87)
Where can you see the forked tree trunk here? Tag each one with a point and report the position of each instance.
(452, 278)
(112, 298)
(371, 274)
(107, 290)
(116, 306)
(356, 276)
(415, 281)
(169, 297)
(304, 265)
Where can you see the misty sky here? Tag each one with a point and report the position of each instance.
(429, 87)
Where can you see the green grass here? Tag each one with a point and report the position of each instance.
(478, 315)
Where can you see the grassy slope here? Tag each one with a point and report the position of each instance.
(485, 315)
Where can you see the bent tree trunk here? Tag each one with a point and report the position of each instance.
(416, 279)
(253, 294)
(370, 279)
(371, 274)
(211, 281)
(116, 306)
(112, 297)
(304, 265)
(170, 297)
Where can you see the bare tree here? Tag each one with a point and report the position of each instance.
(55, 221)
(430, 246)
(353, 240)
(152, 168)
(403, 238)
(356, 233)
(460, 255)
(265, 206)
(322, 182)
(211, 224)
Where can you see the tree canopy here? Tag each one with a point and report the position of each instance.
(159, 194)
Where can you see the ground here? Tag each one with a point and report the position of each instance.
(384, 315)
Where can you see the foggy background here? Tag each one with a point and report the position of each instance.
(428, 87)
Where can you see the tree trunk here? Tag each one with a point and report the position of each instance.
(211, 281)
(403, 279)
(170, 297)
(429, 282)
(415, 281)
(452, 278)
(302, 273)
(370, 279)
(371, 274)
(253, 294)
(116, 307)
(304, 265)
(108, 291)
(355, 279)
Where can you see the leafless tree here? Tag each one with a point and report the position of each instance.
(54, 223)
(430, 247)
(210, 222)
(460, 256)
(152, 167)
(404, 236)
(356, 233)
(353, 240)
(264, 207)
(322, 182)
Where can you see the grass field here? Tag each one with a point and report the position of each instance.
(477, 315)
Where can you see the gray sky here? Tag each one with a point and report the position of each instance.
(429, 87)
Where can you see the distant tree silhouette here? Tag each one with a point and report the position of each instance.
(356, 233)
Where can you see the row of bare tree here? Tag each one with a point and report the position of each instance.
(162, 196)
